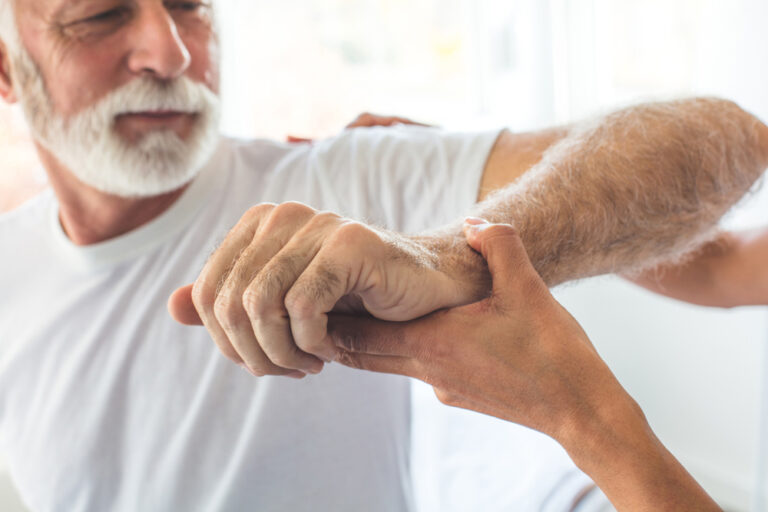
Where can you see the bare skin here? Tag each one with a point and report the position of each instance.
(365, 120)
(89, 216)
(728, 272)
(154, 39)
(518, 355)
(643, 185)
(87, 57)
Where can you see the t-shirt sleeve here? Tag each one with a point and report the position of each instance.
(405, 178)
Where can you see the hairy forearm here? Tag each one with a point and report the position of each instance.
(625, 192)
(616, 447)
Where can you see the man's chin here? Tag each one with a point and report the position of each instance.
(131, 186)
(157, 164)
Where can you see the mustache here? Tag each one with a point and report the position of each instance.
(145, 94)
(142, 94)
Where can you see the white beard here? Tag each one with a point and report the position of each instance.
(88, 145)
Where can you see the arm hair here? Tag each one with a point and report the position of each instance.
(623, 193)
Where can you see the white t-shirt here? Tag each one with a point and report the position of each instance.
(106, 404)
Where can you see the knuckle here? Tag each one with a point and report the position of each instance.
(313, 347)
(227, 311)
(260, 209)
(284, 357)
(322, 219)
(255, 303)
(299, 306)
(256, 367)
(281, 359)
(290, 210)
(260, 365)
(203, 295)
(256, 371)
(258, 212)
(354, 233)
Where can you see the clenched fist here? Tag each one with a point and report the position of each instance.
(264, 295)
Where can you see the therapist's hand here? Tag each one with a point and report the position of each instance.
(517, 355)
(522, 357)
(365, 120)
(264, 295)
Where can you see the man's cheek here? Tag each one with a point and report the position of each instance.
(204, 50)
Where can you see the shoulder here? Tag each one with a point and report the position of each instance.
(31, 213)
(378, 138)
(407, 144)
(23, 237)
(259, 153)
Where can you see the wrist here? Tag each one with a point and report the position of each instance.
(453, 258)
(595, 435)
(616, 447)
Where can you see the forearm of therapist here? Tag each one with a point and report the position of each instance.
(520, 356)
(727, 272)
(618, 450)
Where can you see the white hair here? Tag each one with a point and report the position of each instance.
(87, 142)
(88, 145)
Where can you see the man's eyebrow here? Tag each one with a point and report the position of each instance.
(64, 7)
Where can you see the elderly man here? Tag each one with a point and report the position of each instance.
(106, 404)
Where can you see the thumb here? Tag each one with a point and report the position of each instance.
(181, 307)
(503, 250)
(375, 337)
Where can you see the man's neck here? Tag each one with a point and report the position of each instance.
(89, 216)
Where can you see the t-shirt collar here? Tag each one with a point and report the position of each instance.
(148, 236)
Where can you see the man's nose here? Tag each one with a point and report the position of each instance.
(157, 48)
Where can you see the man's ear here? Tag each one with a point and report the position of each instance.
(7, 91)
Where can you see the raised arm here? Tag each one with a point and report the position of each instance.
(730, 271)
(623, 192)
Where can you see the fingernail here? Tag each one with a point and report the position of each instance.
(296, 375)
(316, 369)
(477, 228)
(475, 221)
